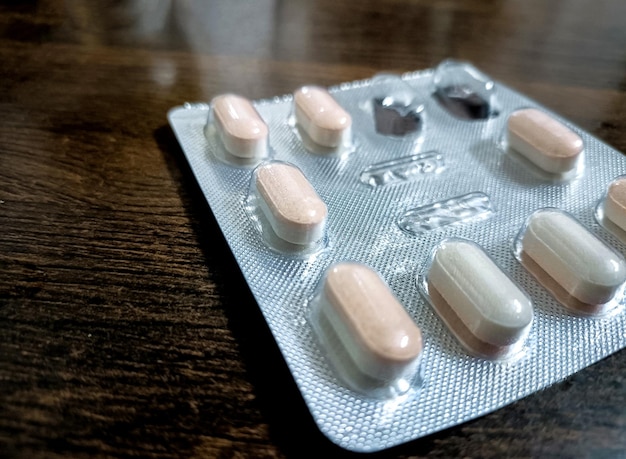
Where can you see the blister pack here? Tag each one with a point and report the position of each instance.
(425, 248)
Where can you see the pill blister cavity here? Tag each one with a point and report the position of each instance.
(395, 107)
(321, 123)
(395, 118)
(286, 209)
(580, 270)
(239, 134)
(367, 336)
(464, 91)
(488, 313)
(545, 143)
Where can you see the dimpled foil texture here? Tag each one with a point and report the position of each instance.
(382, 197)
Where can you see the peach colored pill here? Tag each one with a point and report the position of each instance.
(615, 203)
(290, 203)
(377, 333)
(321, 117)
(583, 265)
(544, 141)
(241, 129)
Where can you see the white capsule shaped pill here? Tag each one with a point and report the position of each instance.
(488, 313)
(289, 202)
(615, 203)
(544, 141)
(321, 117)
(557, 249)
(241, 129)
(379, 337)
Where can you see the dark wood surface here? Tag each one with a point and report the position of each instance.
(126, 328)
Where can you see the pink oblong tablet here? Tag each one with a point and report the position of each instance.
(293, 208)
(377, 333)
(544, 141)
(615, 203)
(240, 127)
(321, 117)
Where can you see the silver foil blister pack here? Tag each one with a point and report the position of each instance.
(426, 168)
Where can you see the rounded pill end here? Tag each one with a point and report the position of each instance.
(544, 141)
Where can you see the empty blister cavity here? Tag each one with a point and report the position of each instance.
(322, 124)
(580, 270)
(464, 91)
(286, 208)
(242, 133)
(370, 340)
(405, 169)
(395, 108)
(394, 118)
(469, 207)
(483, 308)
(545, 142)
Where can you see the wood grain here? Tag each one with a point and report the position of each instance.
(126, 328)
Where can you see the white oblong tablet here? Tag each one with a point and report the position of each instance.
(241, 129)
(615, 203)
(573, 257)
(376, 332)
(291, 205)
(544, 141)
(486, 311)
(321, 117)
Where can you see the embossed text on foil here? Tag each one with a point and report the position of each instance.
(405, 169)
(469, 207)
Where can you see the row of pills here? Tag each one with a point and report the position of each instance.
(324, 126)
(374, 345)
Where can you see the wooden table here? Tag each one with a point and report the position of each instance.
(126, 327)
